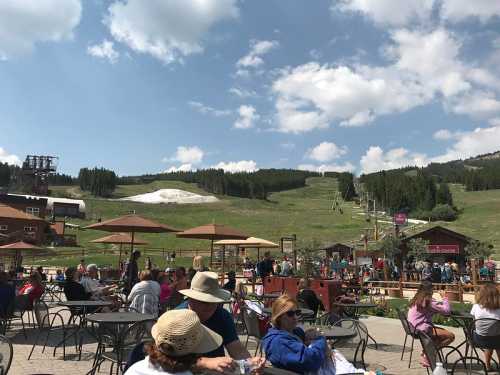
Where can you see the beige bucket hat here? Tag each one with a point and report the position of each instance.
(205, 288)
(184, 334)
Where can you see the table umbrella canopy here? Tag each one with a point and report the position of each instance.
(119, 239)
(212, 232)
(249, 242)
(20, 245)
(132, 223)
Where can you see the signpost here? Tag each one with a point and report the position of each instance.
(400, 218)
(443, 249)
(288, 247)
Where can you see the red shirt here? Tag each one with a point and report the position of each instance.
(33, 291)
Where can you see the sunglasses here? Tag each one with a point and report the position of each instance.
(291, 313)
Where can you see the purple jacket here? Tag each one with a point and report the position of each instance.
(421, 318)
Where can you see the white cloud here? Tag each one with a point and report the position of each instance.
(422, 67)
(459, 10)
(182, 168)
(375, 159)
(399, 13)
(346, 167)
(207, 110)
(167, 29)
(242, 93)
(467, 144)
(478, 105)
(326, 151)
(311, 96)
(104, 50)
(476, 142)
(25, 23)
(443, 135)
(388, 12)
(432, 57)
(258, 48)
(5, 157)
(187, 155)
(237, 166)
(247, 117)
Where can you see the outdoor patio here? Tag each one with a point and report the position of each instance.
(387, 332)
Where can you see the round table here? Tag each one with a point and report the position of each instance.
(464, 320)
(355, 312)
(86, 303)
(334, 332)
(119, 317)
(116, 326)
(306, 313)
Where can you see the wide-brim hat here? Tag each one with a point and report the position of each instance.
(205, 288)
(180, 332)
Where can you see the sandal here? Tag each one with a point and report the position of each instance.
(424, 362)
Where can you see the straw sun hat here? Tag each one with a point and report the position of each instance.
(184, 334)
(205, 288)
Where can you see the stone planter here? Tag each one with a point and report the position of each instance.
(453, 295)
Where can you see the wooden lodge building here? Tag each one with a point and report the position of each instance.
(36, 206)
(342, 250)
(16, 225)
(444, 244)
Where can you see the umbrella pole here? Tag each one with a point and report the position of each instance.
(120, 257)
(211, 252)
(223, 265)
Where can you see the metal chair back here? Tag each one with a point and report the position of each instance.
(6, 353)
(430, 349)
(404, 322)
(41, 311)
(251, 321)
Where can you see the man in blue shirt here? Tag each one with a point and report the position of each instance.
(205, 298)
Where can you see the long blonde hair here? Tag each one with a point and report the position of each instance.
(281, 305)
(198, 263)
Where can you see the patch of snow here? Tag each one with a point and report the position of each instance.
(171, 196)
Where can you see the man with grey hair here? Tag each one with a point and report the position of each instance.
(92, 285)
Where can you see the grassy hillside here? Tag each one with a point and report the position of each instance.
(480, 218)
(305, 212)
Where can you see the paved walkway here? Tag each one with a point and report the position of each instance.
(387, 332)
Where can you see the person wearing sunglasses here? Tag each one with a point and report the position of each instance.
(284, 342)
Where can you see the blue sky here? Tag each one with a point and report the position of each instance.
(142, 86)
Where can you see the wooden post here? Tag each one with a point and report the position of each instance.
(460, 291)
(473, 270)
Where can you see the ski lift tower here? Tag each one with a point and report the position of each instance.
(36, 171)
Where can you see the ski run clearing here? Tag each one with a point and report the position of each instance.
(171, 196)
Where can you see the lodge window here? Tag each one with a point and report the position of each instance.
(4, 228)
(35, 211)
(30, 229)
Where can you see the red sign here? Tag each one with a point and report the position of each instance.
(443, 249)
(400, 218)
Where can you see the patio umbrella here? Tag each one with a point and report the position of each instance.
(212, 232)
(250, 242)
(120, 239)
(131, 224)
(18, 247)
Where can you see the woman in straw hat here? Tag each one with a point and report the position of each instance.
(284, 343)
(179, 339)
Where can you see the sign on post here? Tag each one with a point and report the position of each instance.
(287, 246)
(400, 218)
(443, 249)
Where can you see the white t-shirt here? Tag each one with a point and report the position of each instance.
(486, 328)
(144, 367)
